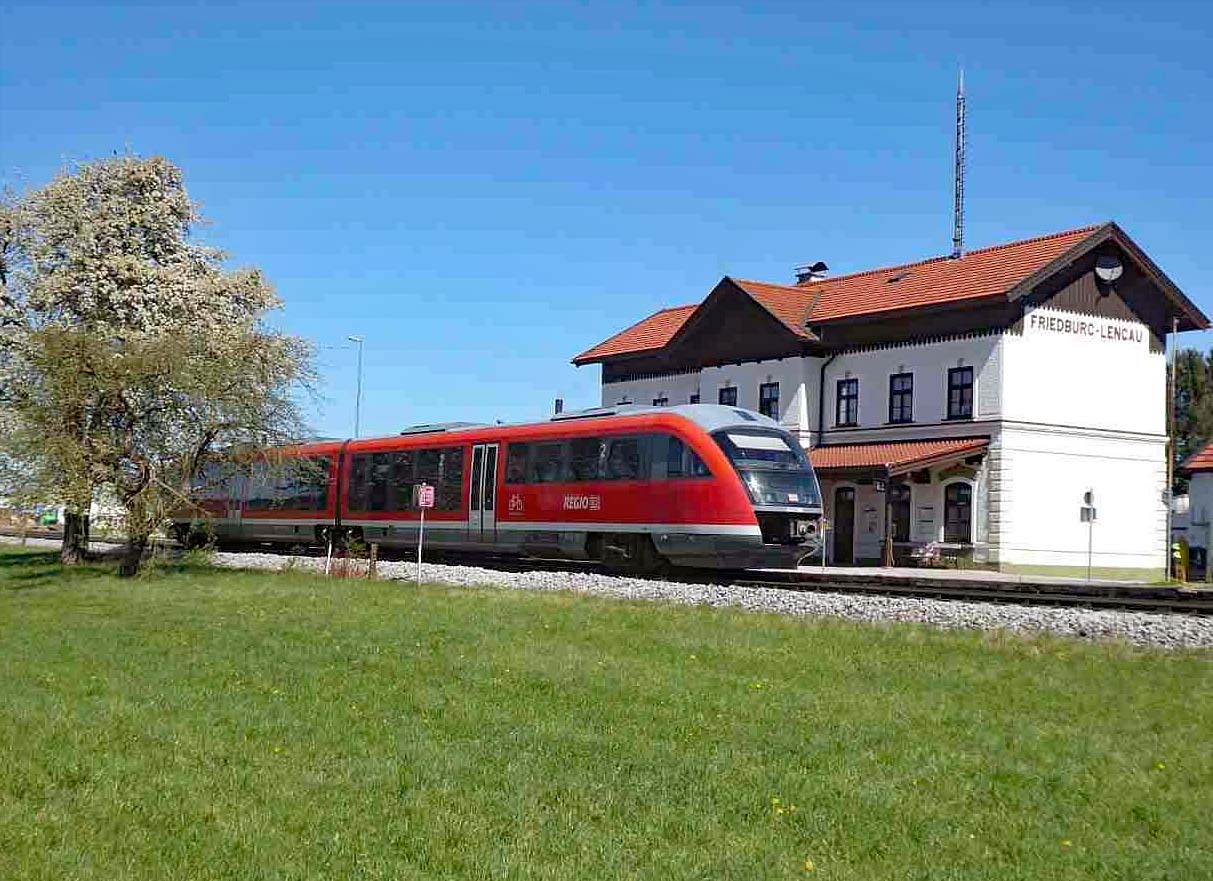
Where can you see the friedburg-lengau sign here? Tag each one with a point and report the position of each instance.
(1084, 326)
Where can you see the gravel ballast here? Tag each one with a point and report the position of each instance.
(1139, 628)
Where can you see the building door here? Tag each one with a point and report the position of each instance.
(482, 496)
(958, 513)
(899, 512)
(844, 526)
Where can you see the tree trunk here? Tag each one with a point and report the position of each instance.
(132, 555)
(75, 538)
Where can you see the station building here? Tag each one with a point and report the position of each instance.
(958, 406)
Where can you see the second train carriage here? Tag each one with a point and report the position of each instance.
(694, 485)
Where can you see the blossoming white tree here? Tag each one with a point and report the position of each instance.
(129, 353)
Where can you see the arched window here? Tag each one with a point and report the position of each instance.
(958, 513)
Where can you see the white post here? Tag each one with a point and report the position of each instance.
(1170, 446)
(1091, 533)
(328, 560)
(420, 539)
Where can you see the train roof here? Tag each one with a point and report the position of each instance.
(709, 417)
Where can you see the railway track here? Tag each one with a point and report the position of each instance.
(1138, 598)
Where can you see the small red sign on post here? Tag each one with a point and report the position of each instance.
(425, 499)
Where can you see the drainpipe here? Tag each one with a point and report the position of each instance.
(821, 398)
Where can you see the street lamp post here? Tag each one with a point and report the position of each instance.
(358, 394)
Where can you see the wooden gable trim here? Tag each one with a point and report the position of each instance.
(1111, 232)
(724, 289)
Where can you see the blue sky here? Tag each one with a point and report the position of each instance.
(482, 191)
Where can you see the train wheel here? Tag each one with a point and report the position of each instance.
(631, 553)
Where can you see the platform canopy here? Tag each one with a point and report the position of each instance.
(892, 458)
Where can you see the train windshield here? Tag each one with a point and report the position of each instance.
(773, 467)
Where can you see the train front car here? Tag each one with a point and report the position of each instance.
(760, 465)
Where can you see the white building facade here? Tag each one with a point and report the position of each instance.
(947, 421)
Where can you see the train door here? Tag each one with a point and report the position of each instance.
(482, 498)
(844, 526)
(236, 489)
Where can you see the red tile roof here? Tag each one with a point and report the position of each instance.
(895, 456)
(978, 274)
(987, 272)
(1200, 461)
(651, 333)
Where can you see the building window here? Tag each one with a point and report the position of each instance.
(901, 397)
(960, 393)
(693, 399)
(847, 410)
(663, 401)
(768, 399)
(728, 396)
(958, 513)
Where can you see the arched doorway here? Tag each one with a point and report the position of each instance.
(844, 526)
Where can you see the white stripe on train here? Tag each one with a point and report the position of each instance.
(514, 526)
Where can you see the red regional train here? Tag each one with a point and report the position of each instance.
(635, 487)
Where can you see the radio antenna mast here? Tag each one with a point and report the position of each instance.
(958, 212)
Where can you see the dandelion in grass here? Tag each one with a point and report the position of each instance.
(808, 865)
(779, 809)
(1065, 842)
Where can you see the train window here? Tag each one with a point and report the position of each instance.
(490, 477)
(442, 469)
(289, 484)
(359, 466)
(477, 465)
(672, 458)
(586, 457)
(403, 480)
(312, 483)
(220, 479)
(546, 464)
(515, 463)
(623, 459)
(449, 494)
(380, 481)
(384, 481)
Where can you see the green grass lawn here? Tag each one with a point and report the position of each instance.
(200, 724)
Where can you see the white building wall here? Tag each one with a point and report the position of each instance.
(677, 389)
(1058, 375)
(1083, 408)
(1044, 473)
(929, 363)
(794, 375)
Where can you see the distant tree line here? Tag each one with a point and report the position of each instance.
(1193, 407)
